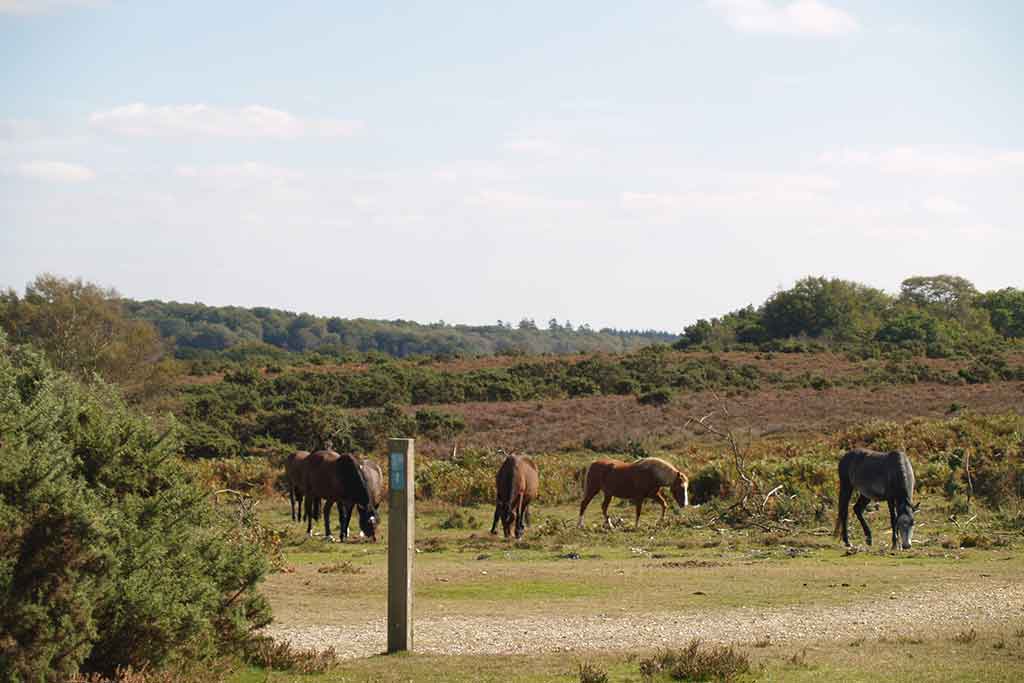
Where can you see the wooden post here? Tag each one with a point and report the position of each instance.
(401, 542)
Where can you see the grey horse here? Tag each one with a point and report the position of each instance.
(877, 476)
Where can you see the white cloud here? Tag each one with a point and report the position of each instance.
(533, 146)
(42, 6)
(926, 160)
(19, 129)
(798, 18)
(521, 201)
(943, 206)
(56, 171)
(756, 194)
(253, 178)
(247, 171)
(254, 121)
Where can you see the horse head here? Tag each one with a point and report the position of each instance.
(905, 523)
(368, 521)
(681, 489)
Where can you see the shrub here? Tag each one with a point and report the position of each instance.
(709, 482)
(696, 662)
(590, 673)
(112, 558)
(655, 397)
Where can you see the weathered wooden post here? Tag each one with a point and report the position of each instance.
(401, 542)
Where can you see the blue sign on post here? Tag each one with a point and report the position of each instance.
(396, 467)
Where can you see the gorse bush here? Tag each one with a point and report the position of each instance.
(697, 662)
(109, 556)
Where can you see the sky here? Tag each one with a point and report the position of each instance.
(634, 165)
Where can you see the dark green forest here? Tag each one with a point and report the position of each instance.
(193, 329)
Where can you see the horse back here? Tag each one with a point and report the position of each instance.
(517, 476)
(321, 475)
(295, 468)
(878, 476)
(374, 480)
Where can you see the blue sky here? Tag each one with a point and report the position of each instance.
(637, 166)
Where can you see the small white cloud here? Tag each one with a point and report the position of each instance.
(56, 171)
(797, 18)
(926, 160)
(254, 121)
(247, 171)
(253, 178)
(42, 6)
(521, 201)
(19, 129)
(943, 206)
(533, 146)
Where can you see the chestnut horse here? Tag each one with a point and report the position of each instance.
(336, 479)
(516, 483)
(635, 481)
(375, 481)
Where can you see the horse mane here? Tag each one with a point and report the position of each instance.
(903, 462)
(664, 471)
(353, 482)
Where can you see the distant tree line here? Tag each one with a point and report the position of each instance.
(935, 316)
(195, 328)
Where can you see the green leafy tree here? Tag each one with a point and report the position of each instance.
(1006, 311)
(81, 328)
(818, 306)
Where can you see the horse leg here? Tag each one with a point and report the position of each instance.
(327, 519)
(892, 522)
(858, 509)
(520, 515)
(345, 514)
(497, 513)
(347, 510)
(843, 512)
(299, 496)
(291, 501)
(664, 506)
(639, 503)
(525, 518)
(604, 509)
(587, 497)
(309, 517)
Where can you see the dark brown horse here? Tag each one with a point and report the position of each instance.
(335, 479)
(635, 481)
(295, 474)
(375, 481)
(877, 476)
(517, 482)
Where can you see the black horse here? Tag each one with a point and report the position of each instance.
(877, 476)
(338, 479)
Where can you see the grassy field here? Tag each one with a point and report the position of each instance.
(683, 567)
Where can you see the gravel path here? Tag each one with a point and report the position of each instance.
(926, 612)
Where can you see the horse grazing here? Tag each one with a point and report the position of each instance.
(635, 481)
(295, 473)
(877, 476)
(517, 482)
(375, 482)
(336, 479)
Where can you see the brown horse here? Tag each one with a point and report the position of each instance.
(375, 481)
(516, 483)
(635, 481)
(336, 479)
(295, 473)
